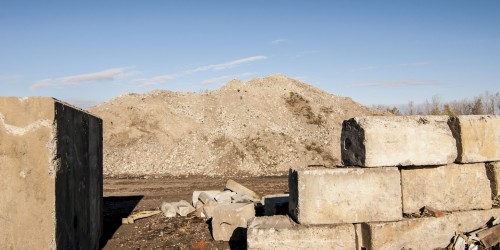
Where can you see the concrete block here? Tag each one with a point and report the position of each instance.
(229, 221)
(344, 195)
(423, 233)
(224, 197)
(378, 141)
(238, 188)
(241, 198)
(454, 187)
(183, 208)
(275, 204)
(493, 172)
(278, 232)
(169, 209)
(205, 198)
(196, 194)
(477, 136)
(51, 168)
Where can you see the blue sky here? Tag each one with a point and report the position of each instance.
(377, 52)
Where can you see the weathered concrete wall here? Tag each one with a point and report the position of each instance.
(377, 141)
(423, 233)
(345, 195)
(454, 187)
(277, 232)
(51, 168)
(493, 172)
(477, 136)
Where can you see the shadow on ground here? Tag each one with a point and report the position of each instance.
(114, 209)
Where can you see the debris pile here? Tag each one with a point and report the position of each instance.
(486, 236)
(229, 210)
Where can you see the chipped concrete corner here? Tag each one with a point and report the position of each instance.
(51, 160)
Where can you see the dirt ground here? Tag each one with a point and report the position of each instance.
(125, 196)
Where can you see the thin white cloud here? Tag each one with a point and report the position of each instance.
(223, 79)
(146, 82)
(104, 75)
(395, 83)
(279, 41)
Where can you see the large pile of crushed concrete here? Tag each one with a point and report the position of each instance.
(257, 128)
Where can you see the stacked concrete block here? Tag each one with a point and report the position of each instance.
(493, 171)
(343, 195)
(383, 141)
(51, 168)
(422, 233)
(278, 232)
(477, 136)
(451, 187)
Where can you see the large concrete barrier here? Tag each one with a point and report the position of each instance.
(377, 141)
(278, 232)
(478, 137)
(454, 187)
(423, 233)
(51, 168)
(345, 195)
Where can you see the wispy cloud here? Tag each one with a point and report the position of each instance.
(146, 82)
(304, 53)
(372, 67)
(279, 41)
(104, 75)
(395, 83)
(223, 79)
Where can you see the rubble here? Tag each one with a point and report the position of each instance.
(486, 236)
(140, 215)
(238, 188)
(168, 209)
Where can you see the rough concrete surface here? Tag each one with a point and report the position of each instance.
(454, 187)
(229, 221)
(277, 232)
(378, 141)
(51, 168)
(345, 195)
(423, 233)
(493, 172)
(478, 137)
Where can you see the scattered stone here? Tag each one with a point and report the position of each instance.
(241, 198)
(197, 213)
(384, 141)
(168, 209)
(238, 188)
(229, 221)
(196, 194)
(224, 197)
(183, 208)
(205, 198)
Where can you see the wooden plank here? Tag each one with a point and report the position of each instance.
(490, 237)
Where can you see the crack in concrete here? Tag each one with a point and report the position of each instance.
(20, 131)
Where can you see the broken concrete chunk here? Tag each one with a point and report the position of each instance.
(197, 213)
(275, 204)
(139, 215)
(183, 208)
(477, 136)
(206, 197)
(168, 209)
(241, 198)
(210, 193)
(229, 221)
(384, 141)
(224, 197)
(238, 188)
(276, 222)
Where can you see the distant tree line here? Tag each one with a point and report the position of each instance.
(484, 104)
